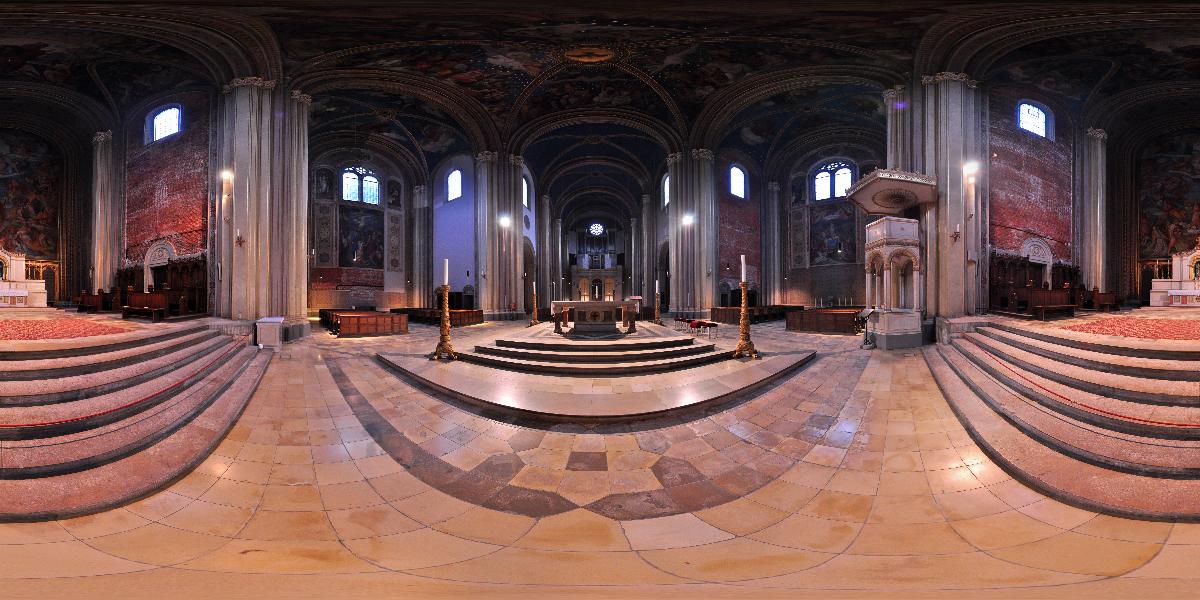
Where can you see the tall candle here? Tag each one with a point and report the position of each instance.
(655, 286)
(445, 271)
(743, 267)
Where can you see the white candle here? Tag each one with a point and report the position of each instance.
(655, 286)
(445, 271)
(743, 267)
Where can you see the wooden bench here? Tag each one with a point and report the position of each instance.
(154, 314)
(1041, 310)
(148, 304)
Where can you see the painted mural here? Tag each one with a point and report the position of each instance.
(166, 184)
(30, 171)
(1169, 195)
(832, 234)
(394, 194)
(360, 238)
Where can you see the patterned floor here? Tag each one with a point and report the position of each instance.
(54, 326)
(852, 477)
(1148, 328)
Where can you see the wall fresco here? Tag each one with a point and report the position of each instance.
(360, 237)
(30, 195)
(832, 234)
(1168, 195)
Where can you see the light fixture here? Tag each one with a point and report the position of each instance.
(970, 168)
(227, 175)
(506, 221)
(688, 219)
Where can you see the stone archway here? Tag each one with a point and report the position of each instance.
(160, 253)
(1038, 252)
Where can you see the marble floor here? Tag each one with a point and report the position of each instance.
(850, 478)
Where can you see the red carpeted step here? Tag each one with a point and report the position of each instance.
(1113, 450)
(87, 449)
(140, 474)
(1153, 368)
(65, 389)
(1054, 474)
(47, 368)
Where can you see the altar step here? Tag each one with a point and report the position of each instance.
(608, 366)
(596, 358)
(111, 423)
(1108, 424)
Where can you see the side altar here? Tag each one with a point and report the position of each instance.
(15, 290)
(595, 318)
(1183, 287)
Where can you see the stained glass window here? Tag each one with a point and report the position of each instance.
(596, 229)
(350, 186)
(370, 190)
(832, 180)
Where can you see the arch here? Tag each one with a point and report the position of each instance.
(1037, 250)
(874, 259)
(660, 132)
(158, 254)
(900, 254)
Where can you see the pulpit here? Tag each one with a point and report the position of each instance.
(893, 282)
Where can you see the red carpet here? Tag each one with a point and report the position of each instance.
(53, 329)
(1162, 329)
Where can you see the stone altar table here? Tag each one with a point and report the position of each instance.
(595, 317)
(15, 290)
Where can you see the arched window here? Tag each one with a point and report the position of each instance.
(370, 189)
(737, 181)
(350, 186)
(1034, 119)
(525, 191)
(666, 190)
(360, 185)
(164, 122)
(832, 180)
(454, 185)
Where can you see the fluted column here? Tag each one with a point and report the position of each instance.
(559, 293)
(953, 137)
(106, 221)
(244, 215)
(420, 286)
(632, 241)
(1095, 183)
(486, 252)
(498, 249)
(293, 226)
(899, 128)
(645, 287)
(545, 255)
(693, 246)
(772, 263)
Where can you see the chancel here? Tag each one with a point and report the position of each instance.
(718, 299)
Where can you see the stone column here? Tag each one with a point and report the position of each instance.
(498, 248)
(1095, 183)
(106, 211)
(420, 287)
(244, 216)
(693, 246)
(649, 253)
(889, 285)
(953, 137)
(545, 250)
(486, 252)
(633, 241)
(899, 128)
(293, 226)
(771, 269)
(916, 286)
(870, 279)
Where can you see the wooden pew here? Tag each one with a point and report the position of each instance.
(149, 304)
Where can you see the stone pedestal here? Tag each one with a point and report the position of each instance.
(269, 332)
(896, 329)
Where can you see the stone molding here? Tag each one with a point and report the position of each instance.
(674, 158)
(517, 160)
(945, 76)
(1097, 133)
(257, 82)
(702, 154)
(301, 97)
(893, 93)
(102, 136)
(486, 156)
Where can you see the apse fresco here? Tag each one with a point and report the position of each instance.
(360, 238)
(1169, 195)
(594, 88)
(832, 234)
(30, 170)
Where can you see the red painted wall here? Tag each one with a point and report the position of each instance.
(739, 230)
(166, 183)
(1029, 181)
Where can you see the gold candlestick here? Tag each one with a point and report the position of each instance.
(444, 348)
(657, 301)
(744, 343)
(534, 320)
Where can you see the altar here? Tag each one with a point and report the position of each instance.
(15, 290)
(595, 317)
(1183, 287)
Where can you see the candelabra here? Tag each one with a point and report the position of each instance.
(744, 344)
(657, 303)
(533, 319)
(444, 348)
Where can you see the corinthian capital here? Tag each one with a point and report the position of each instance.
(102, 136)
(893, 94)
(1096, 132)
(517, 160)
(258, 82)
(702, 154)
(674, 158)
(948, 76)
(773, 186)
(301, 97)
(486, 156)
(418, 191)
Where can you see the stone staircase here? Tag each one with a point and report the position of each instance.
(596, 358)
(87, 427)
(1105, 423)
